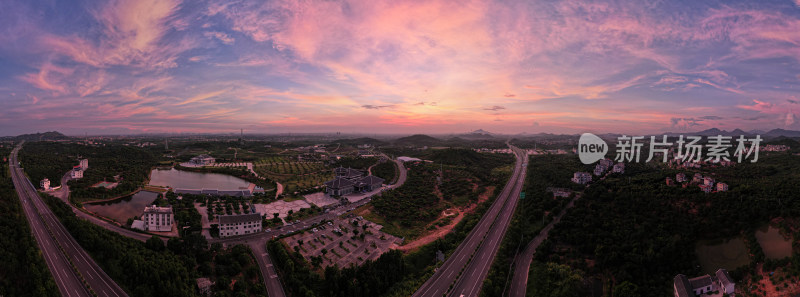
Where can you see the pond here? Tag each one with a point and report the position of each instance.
(772, 243)
(728, 254)
(123, 209)
(179, 179)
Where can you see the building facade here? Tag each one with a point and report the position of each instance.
(45, 184)
(348, 181)
(581, 178)
(77, 172)
(158, 219)
(690, 287)
(84, 164)
(233, 225)
(202, 160)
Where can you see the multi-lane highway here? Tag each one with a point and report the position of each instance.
(476, 253)
(61, 252)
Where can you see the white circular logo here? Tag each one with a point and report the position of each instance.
(591, 148)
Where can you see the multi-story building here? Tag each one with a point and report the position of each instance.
(202, 160)
(233, 225)
(680, 177)
(349, 181)
(599, 169)
(84, 164)
(581, 177)
(690, 287)
(708, 181)
(45, 184)
(619, 168)
(706, 188)
(158, 219)
(722, 187)
(77, 172)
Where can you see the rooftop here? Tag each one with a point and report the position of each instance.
(242, 218)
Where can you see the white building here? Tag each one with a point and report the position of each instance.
(84, 164)
(203, 160)
(619, 168)
(233, 225)
(77, 172)
(581, 177)
(45, 184)
(158, 219)
(686, 287)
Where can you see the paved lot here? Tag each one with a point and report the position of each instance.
(320, 199)
(343, 246)
(281, 207)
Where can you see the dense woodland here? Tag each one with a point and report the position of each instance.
(630, 234)
(52, 160)
(386, 170)
(23, 272)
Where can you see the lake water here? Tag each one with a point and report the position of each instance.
(178, 179)
(728, 254)
(123, 209)
(773, 244)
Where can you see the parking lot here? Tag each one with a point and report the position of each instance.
(343, 241)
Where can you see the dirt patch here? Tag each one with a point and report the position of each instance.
(768, 288)
(442, 231)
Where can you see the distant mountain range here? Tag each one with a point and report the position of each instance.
(736, 132)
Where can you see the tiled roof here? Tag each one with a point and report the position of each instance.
(723, 277)
(243, 218)
(682, 286)
(701, 281)
(371, 180)
(338, 183)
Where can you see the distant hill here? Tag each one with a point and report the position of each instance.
(477, 134)
(359, 141)
(419, 140)
(736, 132)
(782, 132)
(52, 135)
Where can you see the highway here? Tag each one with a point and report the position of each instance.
(476, 253)
(58, 246)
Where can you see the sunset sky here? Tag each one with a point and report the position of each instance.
(398, 66)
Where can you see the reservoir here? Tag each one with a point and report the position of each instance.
(178, 179)
(774, 245)
(123, 209)
(728, 254)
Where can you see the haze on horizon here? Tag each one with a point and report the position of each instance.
(398, 66)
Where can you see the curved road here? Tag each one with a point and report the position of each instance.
(59, 248)
(522, 263)
(465, 269)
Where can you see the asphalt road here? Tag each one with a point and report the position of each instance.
(42, 220)
(522, 263)
(483, 241)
